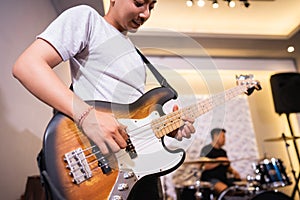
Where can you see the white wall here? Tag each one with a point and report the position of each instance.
(212, 75)
(22, 118)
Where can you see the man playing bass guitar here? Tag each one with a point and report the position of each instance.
(105, 66)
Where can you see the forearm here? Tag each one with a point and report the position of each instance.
(209, 166)
(34, 70)
(234, 172)
(217, 162)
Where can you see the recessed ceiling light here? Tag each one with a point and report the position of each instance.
(290, 49)
(215, 4)
(189, 3)
(201, 3)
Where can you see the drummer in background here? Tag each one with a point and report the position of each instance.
(217, 172)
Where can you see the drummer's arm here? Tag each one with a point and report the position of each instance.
(235, 173)
(209, 166)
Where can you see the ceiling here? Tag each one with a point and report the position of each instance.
(265, 29)
(262, 19)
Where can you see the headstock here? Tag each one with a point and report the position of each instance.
(248, 82)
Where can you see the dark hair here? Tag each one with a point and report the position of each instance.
(216, 131)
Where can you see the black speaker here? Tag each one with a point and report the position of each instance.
(286, 92)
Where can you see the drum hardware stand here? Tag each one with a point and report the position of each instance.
(198, 193)
(197, 174)
(297, 152)
(289, 156)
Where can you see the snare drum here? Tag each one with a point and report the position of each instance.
(271, 173)
(198, 190)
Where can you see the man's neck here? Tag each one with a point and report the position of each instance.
(215, 145)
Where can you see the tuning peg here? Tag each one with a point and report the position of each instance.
(258, 86)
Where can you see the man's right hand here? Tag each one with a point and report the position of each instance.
(104, 129)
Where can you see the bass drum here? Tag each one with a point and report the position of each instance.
(271, 195)
(236, 193)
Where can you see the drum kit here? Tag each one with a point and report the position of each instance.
(269, 174)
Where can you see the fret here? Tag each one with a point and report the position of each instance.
(170, 122)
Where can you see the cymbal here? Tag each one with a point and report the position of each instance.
(282, 138)
(203, 160)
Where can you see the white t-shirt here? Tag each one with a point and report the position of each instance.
(104, 63)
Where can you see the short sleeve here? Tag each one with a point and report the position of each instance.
(69, 33)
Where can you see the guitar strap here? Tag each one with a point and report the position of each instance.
(162, 81)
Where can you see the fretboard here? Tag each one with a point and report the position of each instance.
(170, 122)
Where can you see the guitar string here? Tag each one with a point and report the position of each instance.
(166, 119)
(143, 142)
(92, 162)
(203, 108)
(174, 116)
(124, 153)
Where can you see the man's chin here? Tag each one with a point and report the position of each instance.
(133, 30)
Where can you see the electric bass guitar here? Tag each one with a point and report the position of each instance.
(76, 169)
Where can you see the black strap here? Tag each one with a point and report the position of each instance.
(162, 81)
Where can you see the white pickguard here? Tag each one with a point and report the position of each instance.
(152, 157)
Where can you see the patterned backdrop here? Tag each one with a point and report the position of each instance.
(240, 145)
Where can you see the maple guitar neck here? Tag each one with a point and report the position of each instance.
(170, 122)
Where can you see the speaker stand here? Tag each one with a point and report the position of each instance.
(297, 152)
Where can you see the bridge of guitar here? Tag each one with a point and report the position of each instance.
(78, 165)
